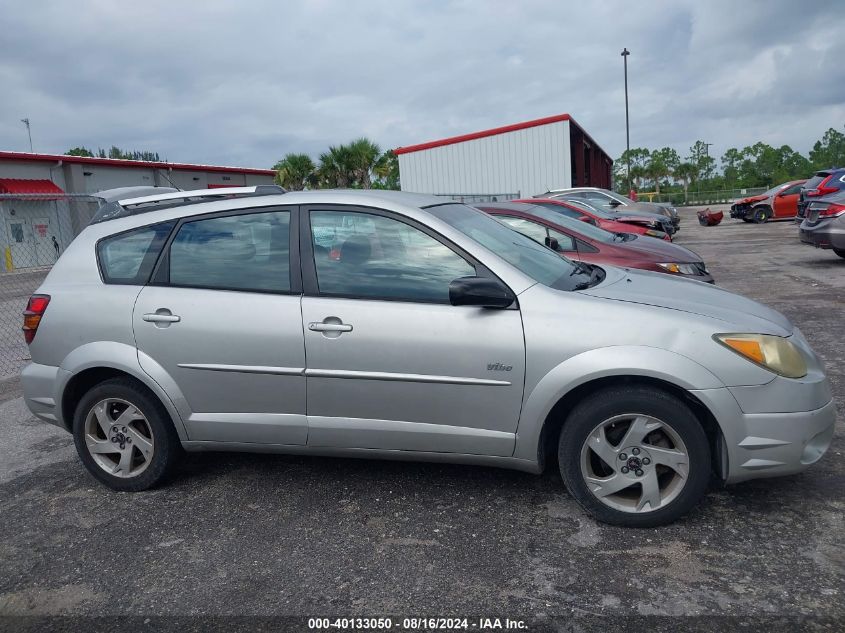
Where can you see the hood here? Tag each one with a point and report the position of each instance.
(639, 219)
(675, 293)
(750, 199)
(650, 207)
(658, 250)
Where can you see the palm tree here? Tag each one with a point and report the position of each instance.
(364, 155)
(386, 171)
(336, 170)
(294, 171)
(686, 173)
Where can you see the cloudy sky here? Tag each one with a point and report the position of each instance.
(245, 82)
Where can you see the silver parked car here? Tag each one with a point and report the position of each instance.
(614, 202)
(401, 326)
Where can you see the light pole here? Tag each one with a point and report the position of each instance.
(28, 131)
(625, 53)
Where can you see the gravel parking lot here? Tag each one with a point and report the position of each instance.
(274, 535)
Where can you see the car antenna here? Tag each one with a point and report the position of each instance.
(168, 179)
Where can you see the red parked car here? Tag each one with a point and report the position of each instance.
(636, 224)
(593, 245)
(778, 203)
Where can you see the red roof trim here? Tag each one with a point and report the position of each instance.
(119, 162)
(28, 185)
(474, 135)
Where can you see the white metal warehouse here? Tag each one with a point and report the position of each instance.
(523, 159)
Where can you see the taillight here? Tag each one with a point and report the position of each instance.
(821, 189)
(32, 315)
(832, 211)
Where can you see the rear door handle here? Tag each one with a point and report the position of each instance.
(157, 317)
(319, 326)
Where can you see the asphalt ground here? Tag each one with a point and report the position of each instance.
(262, 535)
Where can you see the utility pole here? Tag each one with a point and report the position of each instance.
(625, 53)
(28, 131)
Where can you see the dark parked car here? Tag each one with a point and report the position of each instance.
(824, 226)
(584, 242)
(823, 183)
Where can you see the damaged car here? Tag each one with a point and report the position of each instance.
(778, 203)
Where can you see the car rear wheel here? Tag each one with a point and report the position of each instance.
(124, 436)
(759, 215)
(636, 457)
(839, 251)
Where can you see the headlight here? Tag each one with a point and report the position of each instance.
(659, 234)
(680, 269)
(775, 353)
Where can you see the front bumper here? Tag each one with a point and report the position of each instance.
(759, 445)
(740, 211)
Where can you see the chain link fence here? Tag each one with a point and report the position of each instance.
(36, 229)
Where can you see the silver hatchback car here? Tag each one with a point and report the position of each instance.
(400, 326)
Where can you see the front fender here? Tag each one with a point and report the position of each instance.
(604, 362)
(119, 356)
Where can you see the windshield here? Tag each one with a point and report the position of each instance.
(584, 204)
(577, 226)
(533, 259)
(773, 190)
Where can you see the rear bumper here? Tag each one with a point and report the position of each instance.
(828, 233)
(39, 388)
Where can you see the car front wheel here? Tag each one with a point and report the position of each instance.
(124, 436)
(760, 215)
(635, 456)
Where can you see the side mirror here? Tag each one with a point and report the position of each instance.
(551, 242)
(614, 203)
(587, 219)
(481, 292)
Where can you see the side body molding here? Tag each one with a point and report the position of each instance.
(621, 361)
(124, 358)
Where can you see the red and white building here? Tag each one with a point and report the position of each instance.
(519, 160)
(31, 222)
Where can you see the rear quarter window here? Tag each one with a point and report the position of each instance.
(128, 258)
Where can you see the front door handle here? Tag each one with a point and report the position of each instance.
(320, 326)
(162, 315)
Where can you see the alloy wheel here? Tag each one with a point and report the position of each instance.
(634, 463)
(119, 438)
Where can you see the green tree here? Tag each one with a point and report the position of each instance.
(829, 151)
(386, 171)
(335, 170)
(638, 157)
(661, 164)
(687, 173)
(700, 157)
(364, 155)
(80, 151)
(295, 172)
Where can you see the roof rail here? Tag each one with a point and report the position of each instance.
(134, 206)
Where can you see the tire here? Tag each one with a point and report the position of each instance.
(759, 215)
(840, 252)
(671, 431)
(132, 453)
